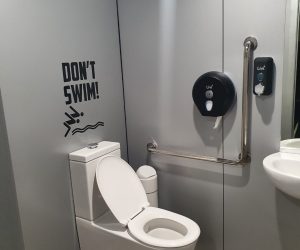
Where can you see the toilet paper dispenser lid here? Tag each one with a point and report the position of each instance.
(213, 93)
(120, 188)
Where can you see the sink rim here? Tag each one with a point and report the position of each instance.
(288, 146)
(268, 163)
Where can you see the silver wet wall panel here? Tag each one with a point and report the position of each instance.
(257, 216)
(10, 227)
(37, 37)
(166, 45)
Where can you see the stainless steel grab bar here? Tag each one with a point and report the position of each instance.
(153, 148)
(250, 44)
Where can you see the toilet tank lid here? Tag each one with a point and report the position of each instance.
(94, 151)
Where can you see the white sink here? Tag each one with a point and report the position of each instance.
(284, 171)
(290, 146)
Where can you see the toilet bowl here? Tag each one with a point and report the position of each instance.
(125, 196)
(162, 228)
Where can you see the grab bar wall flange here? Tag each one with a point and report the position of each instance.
(250, 44)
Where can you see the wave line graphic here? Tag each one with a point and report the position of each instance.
(82, 130)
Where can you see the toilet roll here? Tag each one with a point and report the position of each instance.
(217, 122)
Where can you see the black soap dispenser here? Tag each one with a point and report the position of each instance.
(263, 76)
(213, 94)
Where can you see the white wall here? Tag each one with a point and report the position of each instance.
(37, 37)
(166, 45)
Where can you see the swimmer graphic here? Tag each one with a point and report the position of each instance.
(72, 119)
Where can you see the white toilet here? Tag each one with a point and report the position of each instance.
(140, 226)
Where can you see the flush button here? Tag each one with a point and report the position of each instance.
(92, 145)
(209, 105)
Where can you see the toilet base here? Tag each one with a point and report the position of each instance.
(106, 233)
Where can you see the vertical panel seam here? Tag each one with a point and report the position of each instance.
(122, 75)
(223, 153)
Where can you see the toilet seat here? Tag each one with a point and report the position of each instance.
(152, 225)
(124, 194)
(121, 189)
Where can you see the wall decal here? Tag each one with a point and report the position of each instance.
(79, 92)
(82, 130)
(71, 119)
(78, 89)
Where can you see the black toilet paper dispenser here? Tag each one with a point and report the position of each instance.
(213, 94)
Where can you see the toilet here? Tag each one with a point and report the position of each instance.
(109, 197)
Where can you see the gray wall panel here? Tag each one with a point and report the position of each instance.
(10, 225)
(257, 216)
(166, 46)
(39, 36)
(157, 91)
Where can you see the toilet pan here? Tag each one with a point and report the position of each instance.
(125, 196)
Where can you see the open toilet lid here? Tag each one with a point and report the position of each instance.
(121, 188)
